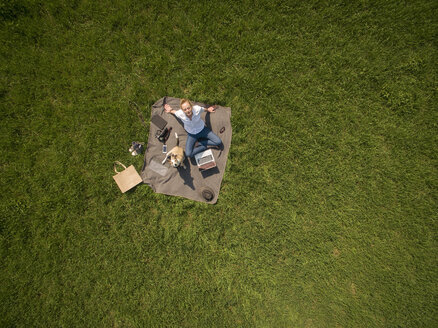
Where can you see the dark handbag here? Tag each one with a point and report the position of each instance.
(161, 134)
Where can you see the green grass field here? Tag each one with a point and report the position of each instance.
(327, 215)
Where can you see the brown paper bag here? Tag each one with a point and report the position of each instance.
(126, 179)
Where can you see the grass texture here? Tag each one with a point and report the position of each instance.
(327, 215)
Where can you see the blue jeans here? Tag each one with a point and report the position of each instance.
(208, 139)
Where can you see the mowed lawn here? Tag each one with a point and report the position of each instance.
(327, 215)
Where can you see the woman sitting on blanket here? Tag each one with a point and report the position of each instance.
(195, 127)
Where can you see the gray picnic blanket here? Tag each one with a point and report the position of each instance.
(188, 182)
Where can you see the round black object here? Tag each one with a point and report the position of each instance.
(208, 194)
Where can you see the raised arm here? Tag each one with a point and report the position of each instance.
(169, 109)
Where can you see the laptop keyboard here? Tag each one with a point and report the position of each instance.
(205, 159)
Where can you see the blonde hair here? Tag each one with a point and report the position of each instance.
(184, 100)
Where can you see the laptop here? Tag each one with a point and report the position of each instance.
(205, 160)
(159, 121)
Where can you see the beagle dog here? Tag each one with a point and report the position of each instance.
(175, 155)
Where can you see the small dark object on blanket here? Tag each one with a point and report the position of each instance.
(168, 134)
(207, 194)
(161, 134)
